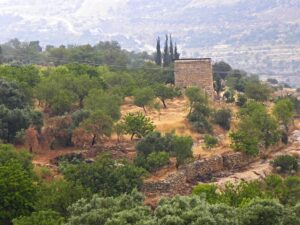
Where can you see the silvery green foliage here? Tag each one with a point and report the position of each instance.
(194, 211)
(125, 209)
(179, 210)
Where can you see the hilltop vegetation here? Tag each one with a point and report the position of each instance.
(82, 105)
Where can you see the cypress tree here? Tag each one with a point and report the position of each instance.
(166, 53)
(158, 53)
(171, 50)
(177, 55)
(0, 55)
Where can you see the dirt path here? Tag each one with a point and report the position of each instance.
(261, 169)
(45, 157)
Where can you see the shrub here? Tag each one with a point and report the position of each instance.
(199, 118)
(241, 100)
(153, 142)
(58, 195)
(261, 212)
(272, 81)
(153, 161)
(43, 172)
(106, 176)
(183, 149)
(210, 141)
(257, 91)
(180, 147)
(157, 160)
(242, 141)
(209, 190)
(286, 163)
(223, 118)
(229, 96)
(40, 218)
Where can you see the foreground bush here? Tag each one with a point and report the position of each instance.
(106, 176)
(285, 163)
(40, 218)
(17, 184)
(179, 210)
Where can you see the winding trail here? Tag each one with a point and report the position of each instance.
(261, 169)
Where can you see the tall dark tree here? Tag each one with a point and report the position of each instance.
(176, 54)
(166, 53)
(171, 49)
(158, 53)
(1, 55)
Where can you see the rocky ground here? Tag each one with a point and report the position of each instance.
(262, 168)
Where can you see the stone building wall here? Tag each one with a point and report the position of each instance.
(195, 72)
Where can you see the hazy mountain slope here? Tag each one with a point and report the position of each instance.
(264, 33)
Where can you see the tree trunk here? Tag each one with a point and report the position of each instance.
(144, 109)
(286, 128)
(94, 140)
(164, 103)
(132, 136)
(80, 103)
(190, 112)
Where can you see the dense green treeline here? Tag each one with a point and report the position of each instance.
(16, 52)
(73, 93)
(104, 192)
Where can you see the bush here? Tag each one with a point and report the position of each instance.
(241, 100)
(291, 190)
(183, 149)
(257, 91)
(153, 142)
(223, 118)
(199, 118)
(272, 81)
(286, 163)
(243, 141)
(40, 218)
(210, 141)
(153, 161)
(106, 176)
(229, 96)
(262, 212)
(58, 195)
(209, 190)
(157, 160)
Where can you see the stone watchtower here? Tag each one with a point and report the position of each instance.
(195, 72)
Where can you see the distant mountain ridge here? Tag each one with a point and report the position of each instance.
(268, 29)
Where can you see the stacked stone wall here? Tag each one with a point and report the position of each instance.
(236, 160)
(172, 185)
(202, 168)
(180, 182)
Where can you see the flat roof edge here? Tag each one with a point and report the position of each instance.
(193, 59)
